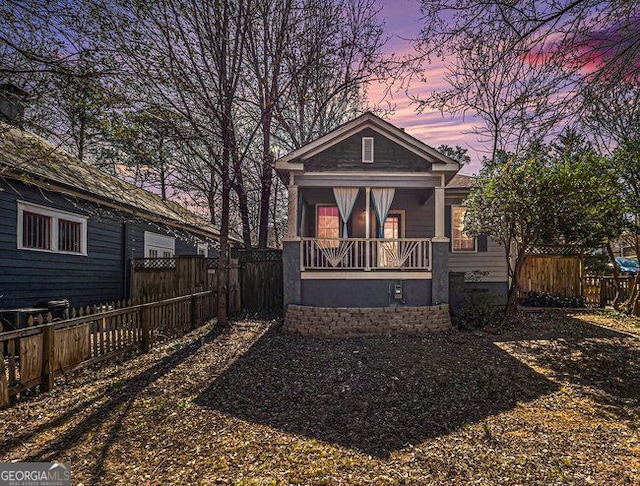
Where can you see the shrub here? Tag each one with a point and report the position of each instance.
(545, 299)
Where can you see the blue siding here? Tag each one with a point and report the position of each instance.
(363, 293)
(29, 276)
(102, 275)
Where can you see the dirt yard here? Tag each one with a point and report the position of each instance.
(551, 399)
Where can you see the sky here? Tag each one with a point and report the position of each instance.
(402, 21)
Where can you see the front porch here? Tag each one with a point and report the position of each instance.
(367, 252)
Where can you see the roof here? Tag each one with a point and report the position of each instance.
(295, 160)
(25, 155)
(460, 181)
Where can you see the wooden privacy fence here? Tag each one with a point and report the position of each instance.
(601, 291)
(176, 276)
(556, 274)
(261, 286)
(254, 279)
(36, 355)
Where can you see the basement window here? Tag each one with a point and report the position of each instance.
(45, 229)
(367, 150)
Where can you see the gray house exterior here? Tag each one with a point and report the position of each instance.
(375, 229)
(68, 231)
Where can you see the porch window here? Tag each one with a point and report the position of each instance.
(44, 229)
(328, 222)
(460, 241)
(389, 250)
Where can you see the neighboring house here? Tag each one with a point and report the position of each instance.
(69, 230)
(376, 221)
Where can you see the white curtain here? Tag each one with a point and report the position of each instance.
(382, 199)
(345, 199)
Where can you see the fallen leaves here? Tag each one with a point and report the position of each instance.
(550, 398)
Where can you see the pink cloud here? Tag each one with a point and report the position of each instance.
(402, 23)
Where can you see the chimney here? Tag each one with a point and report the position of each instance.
(12, 102)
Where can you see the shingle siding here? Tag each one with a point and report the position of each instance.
(347, 155)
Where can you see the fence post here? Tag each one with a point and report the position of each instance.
(195, 308)
(145, 317)
(603, 292)
(48, 356)
(4, 386)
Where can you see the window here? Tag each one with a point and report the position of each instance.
(389, 251)
(392, 227)
(460, 241)
(69, 236)
(203, 249)
(328, 222)
(44, 229)
(36, 231)
(158, 246)
(367, 150)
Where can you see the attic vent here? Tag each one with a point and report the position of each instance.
(367, 149)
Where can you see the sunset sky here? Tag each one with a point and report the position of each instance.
(402, 20)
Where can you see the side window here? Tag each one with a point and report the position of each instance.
(156, 245)
(460, 241)
(45, 229)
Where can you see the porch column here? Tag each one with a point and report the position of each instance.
(439, 212)
(292, 228)
(292, 287)
(439, 253)
(367, 229)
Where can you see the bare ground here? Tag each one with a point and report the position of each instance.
(553, 398)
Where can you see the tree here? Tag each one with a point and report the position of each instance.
(564, 194)
(514, 96)
(626, 161)
(594, 41)
(457, 153)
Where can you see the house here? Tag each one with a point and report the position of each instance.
(69, 230)
(376, 240)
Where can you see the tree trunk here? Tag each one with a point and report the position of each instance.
(243, 204)
(616, 277)
(514, 290)
(266, 182)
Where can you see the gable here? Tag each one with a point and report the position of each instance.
(347, 156)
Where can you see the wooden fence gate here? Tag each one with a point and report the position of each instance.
(261, 281)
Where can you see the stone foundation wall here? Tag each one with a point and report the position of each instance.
(342, 322)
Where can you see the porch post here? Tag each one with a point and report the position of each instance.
(439, 212)
(439, 253)
(367, 229)
(292, 228)
(292, 288)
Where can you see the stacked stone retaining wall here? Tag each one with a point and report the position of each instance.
(343, 322)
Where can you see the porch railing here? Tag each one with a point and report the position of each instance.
(365, 254)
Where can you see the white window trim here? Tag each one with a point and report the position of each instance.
(55, 215)
(204, 248)
(364, 141)
(159, 242)
(475, 240)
